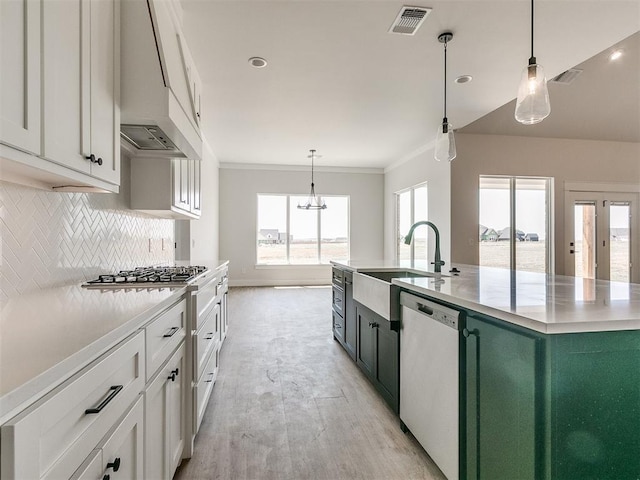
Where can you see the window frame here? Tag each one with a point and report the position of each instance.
(412, 202)
(549, 223)
(288, 262)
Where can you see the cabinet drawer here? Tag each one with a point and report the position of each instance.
(163, 335)
(337, 277)
(204, 386)
(205, 301)
(337, 300)
(206, 339)
(54, 436)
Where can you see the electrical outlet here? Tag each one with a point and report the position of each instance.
(150, 246)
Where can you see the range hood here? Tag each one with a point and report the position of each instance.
(159, 103)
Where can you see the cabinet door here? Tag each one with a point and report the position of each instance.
(366, 340)
(181, 198)
(122, 451)
(164, 421)
(350, 330)
(66, 61)
(105, 89)
(91, 468)
(175, 413)
(388, 362)
(502, 398)
(196, 183)
(20, 119)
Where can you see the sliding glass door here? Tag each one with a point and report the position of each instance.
(514, 230)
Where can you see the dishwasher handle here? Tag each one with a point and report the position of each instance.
(445, 315)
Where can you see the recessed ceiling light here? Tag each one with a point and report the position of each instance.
(615, 55)
(257, 62)
(463, 79)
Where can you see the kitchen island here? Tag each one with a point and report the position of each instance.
(549, 371)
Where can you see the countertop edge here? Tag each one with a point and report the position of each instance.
(17, 400)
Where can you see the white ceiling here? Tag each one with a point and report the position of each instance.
(602, 103)
(338, 82)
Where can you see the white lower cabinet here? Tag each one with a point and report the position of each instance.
(122, 451)
(91, 468)
(56, 434)
(164, 418)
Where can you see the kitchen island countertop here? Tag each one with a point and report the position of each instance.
(549, 304)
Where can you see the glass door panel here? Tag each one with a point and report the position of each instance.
(620, 242)
(531, 224)
(495, 219)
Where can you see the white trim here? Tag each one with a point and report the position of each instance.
(287, 266)
(280, 283)
(601, 187)
(299, 168)
(411, 155)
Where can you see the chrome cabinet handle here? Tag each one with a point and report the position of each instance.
(115, 390)
(172, 332)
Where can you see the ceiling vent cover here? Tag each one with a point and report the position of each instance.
(409, 20)
(566, 78)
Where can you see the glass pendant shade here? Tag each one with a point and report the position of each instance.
(532, 105)
(445, 142)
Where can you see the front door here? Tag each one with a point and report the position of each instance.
(601, 234)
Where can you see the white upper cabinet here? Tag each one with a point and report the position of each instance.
(60, 117)
(20, 74)
(81, 86)
(166, 187)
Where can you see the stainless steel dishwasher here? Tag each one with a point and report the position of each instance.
(429, 378)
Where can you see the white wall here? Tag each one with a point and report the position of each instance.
(238, 212)
(564, 160)
(422, 168)
(197, 240)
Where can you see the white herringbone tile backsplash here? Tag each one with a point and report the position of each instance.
(51, 239)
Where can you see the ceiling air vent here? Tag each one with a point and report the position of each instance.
(566, 78)
(409, 20)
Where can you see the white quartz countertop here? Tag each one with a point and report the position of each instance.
(50, 334)
(545, 303)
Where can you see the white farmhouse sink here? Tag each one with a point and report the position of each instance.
(374, 290)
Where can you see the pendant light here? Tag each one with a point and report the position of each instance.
(533, 104)
(445, 142)
(312, 203)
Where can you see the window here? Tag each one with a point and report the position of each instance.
(514, 230)
(288, 235)
(411, 207)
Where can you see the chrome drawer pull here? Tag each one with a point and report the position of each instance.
(115, 390)
(171, 333)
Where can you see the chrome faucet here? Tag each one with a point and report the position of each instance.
(407, 239)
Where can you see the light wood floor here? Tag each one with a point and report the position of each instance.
(289, 403)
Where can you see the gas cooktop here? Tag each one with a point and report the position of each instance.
(149, 277)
